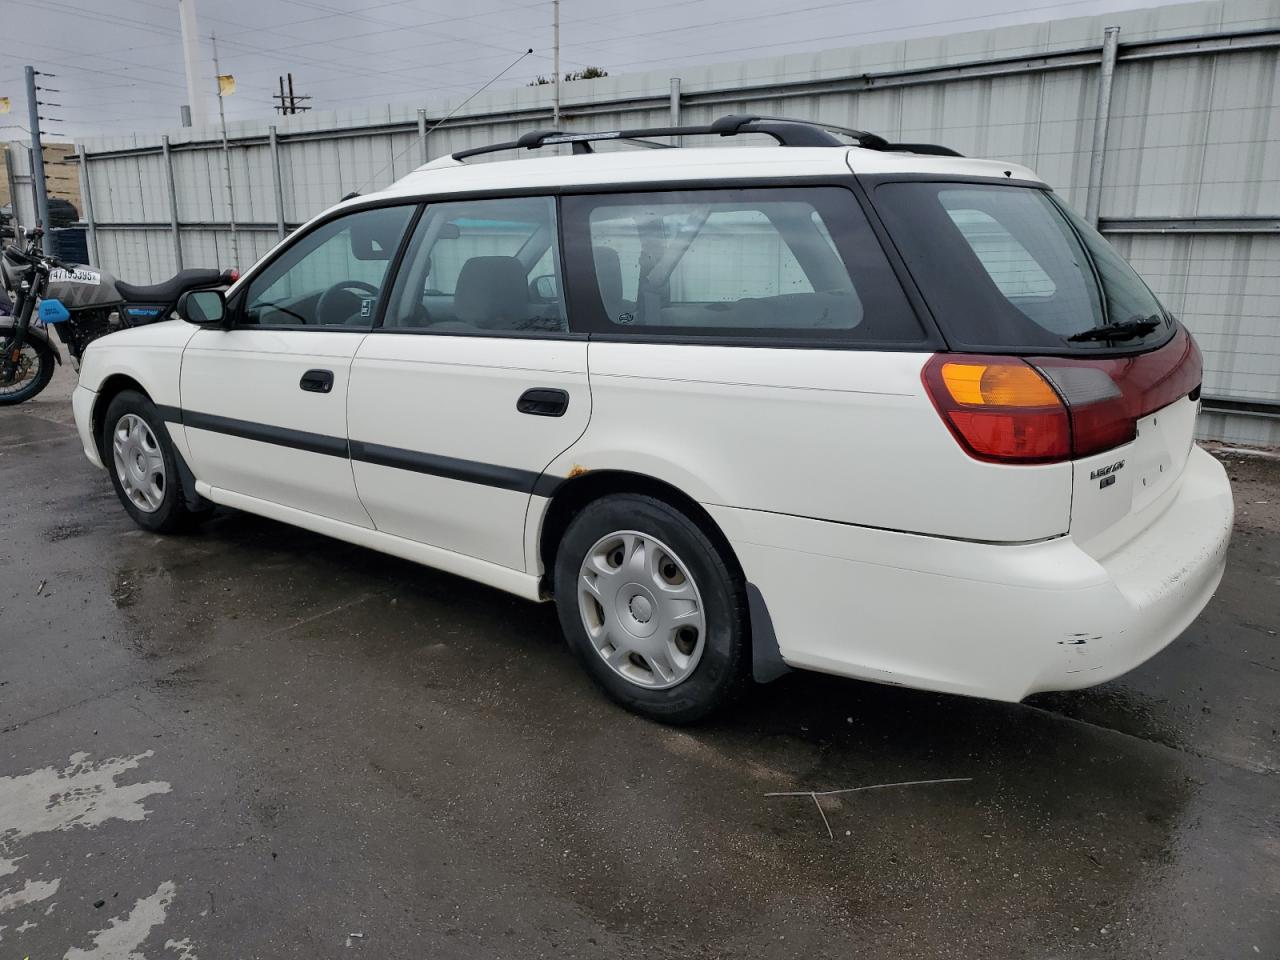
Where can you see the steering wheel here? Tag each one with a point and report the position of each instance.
(342, 302)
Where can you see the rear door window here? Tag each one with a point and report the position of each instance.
(481, 267)
(1006, 267)
(792, 263)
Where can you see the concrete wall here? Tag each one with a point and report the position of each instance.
(1189, 188)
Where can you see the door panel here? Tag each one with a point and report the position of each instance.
(254, 429)
(441, 454)
(265, 402)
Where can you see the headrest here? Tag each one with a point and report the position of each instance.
(492, 292)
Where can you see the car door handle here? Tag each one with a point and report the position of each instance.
(543, 402)
(317, 381)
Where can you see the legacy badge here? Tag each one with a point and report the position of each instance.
(1105, 475)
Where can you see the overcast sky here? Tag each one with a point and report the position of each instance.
(122, 70)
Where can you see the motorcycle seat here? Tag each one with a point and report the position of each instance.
(169, 290)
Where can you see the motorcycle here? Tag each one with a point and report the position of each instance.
(77, 304)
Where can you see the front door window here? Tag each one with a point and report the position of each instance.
(333, 276)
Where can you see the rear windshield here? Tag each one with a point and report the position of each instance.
(1006, 267)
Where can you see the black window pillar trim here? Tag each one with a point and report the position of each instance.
(393, 268)
(898, 264)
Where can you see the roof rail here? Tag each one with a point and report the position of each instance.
(786, 131)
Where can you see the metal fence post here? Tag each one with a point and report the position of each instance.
(173, 201)
(422, 134)
(675, 107)
(1101, 116)
(7, 150)
(276, 183)
(38, 184)
(86, 195)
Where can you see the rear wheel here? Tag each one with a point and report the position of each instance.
(27, 370)
(143, 466)
(653, 609)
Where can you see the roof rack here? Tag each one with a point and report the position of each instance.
(786, 131)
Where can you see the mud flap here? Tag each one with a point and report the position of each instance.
(186, 478)
(767, 664)
(193, 500)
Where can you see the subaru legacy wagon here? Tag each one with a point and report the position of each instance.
(834, 404)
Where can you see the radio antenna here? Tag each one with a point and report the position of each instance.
(492, 80)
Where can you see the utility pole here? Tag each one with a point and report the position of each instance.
(226, 154)
(555, 113)
(289, 102)
(197, 115)
(37, 153)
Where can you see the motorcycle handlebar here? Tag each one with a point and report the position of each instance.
(36, 258)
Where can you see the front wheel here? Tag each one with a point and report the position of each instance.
(143, 466)
(25, 372)
(652, 607)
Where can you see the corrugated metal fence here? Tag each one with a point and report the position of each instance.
(1183, 171)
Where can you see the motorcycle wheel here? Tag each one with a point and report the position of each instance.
(35, 370)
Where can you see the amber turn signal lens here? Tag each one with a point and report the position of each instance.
(1001, 409)
(1002, 385)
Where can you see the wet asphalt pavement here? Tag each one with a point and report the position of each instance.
(258, 742)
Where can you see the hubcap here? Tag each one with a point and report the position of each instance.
(139, 463)
(641, 609)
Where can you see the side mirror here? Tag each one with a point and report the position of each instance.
(544, 288)
(204, 308)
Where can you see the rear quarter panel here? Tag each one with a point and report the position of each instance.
(842, 435)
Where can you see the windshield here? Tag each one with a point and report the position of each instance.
(1006, 267)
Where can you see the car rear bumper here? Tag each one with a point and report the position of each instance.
(990, 620)
(82, 400)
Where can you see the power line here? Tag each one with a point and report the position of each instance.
(113, 19)
(790, 12)
(102, 71)
(327, 63)
(287, 28)
(78, 63)
(777, 45)
(421, 75)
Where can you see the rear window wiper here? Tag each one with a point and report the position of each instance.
(1125, 330)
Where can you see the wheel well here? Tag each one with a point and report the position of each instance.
(575, 494)
(112, 387)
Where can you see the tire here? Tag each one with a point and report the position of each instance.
(152, 494)
(43, 361)
(635, 570)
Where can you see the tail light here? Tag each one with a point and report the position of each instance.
(999, 408)
(1049, 409)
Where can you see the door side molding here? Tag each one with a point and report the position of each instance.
(417, 461)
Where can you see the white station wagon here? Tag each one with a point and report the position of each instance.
(838, 404)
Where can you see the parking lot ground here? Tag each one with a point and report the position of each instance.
(255, 742)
